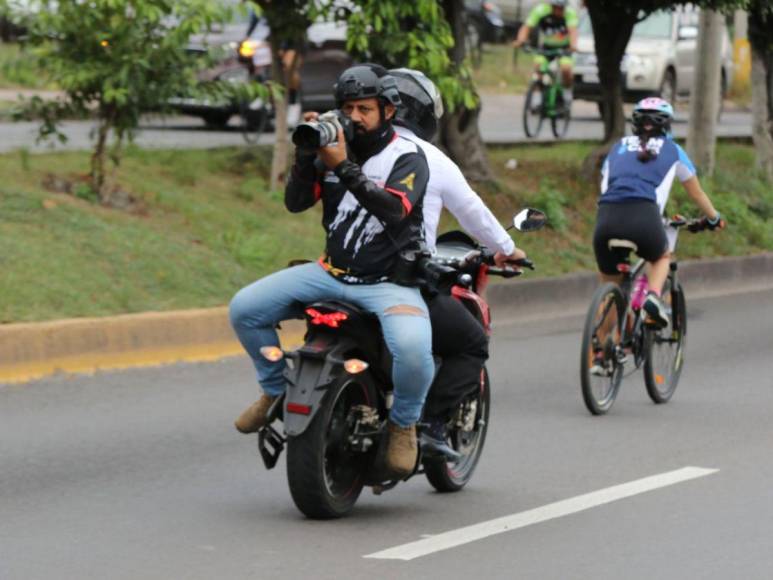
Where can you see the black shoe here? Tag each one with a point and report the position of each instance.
(656, 310)
(433, 440)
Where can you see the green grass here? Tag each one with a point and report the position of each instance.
(18, 69)
(206, 224)
(502, 70)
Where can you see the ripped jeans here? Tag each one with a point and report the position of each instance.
(257, 308)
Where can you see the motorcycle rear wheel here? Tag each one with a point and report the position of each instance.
(324, 474)
(448, 477)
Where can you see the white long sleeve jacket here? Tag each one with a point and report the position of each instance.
(448, 188)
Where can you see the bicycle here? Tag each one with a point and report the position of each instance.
(544, 97)
(616, 332)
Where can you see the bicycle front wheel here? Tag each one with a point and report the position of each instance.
(532, 110)
(601, 371)
(559, 122)
(665, 347)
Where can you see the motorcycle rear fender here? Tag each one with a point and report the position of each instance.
(308, 381)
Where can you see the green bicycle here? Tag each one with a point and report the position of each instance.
(544, 97)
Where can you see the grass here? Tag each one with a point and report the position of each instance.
(502, 70)
(206, 224)
(18, 69)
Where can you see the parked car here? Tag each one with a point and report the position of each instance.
(238, 60)
(660, 58)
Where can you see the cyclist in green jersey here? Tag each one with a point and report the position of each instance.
(557, 24)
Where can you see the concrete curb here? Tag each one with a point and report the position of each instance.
(34, 350)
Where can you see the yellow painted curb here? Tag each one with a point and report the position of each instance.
(31, 351)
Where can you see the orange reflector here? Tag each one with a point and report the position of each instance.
(659, 379)
(272, 353)
(355, 365)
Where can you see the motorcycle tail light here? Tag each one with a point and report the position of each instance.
(272, 353)
(331, 319)
(355, 365)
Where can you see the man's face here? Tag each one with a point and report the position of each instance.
(364, 113)
(558, 10)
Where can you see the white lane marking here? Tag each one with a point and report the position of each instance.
(468, 534)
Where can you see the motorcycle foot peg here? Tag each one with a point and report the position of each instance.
(270, 444)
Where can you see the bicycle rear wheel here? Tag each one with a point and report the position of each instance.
(665, 347)
(600, 370)
(532, 110)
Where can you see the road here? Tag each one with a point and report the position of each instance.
(500, 123)
(139, 474)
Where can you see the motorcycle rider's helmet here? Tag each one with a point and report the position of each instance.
(653, 111)
(364, 81)
(422, 105)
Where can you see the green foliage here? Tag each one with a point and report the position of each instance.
(116, 59)
(412, 34)
(552, 201)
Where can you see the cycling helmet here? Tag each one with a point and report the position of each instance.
(561, 3)
(653, 111)
(422, 105)
(364, 81)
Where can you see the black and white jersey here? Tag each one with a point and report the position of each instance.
(370, 213)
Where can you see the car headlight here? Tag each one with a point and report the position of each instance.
(637, 61)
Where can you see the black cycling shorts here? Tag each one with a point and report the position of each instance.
(637, 221)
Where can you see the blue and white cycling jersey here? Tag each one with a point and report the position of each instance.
(625, 178)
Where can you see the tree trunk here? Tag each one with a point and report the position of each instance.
(612, 28)
(97, 176)
(459, 130)
(762, 88)
(705, 95)
(281, 142)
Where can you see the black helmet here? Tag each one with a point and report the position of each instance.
(422, 105)
(364, 81)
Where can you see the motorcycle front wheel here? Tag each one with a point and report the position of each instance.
(467, 436)
(324, 473)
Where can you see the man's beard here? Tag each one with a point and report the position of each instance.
(365, 144)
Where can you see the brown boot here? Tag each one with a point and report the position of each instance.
(401, 450)
(254, 416)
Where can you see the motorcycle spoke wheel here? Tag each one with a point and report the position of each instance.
(600, 368)
(665, 347)
(446, 476)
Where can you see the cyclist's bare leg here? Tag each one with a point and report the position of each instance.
(566, 76)
(658, 272)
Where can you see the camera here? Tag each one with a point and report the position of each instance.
(312, 135)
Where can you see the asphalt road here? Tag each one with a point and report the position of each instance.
(500, 123)
(139, 474)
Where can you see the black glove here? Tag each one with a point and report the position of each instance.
(717, 222)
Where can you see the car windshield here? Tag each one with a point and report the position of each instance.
(657, 25)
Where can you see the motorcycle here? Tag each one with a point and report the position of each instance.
(339, 389)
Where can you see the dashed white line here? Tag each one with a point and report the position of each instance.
(460, 536)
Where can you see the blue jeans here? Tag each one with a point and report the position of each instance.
(257, 308)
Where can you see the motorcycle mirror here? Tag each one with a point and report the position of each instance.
(529, 220)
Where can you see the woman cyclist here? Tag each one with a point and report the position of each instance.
(636, 181)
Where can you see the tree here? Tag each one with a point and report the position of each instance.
(288, 20)
(706, 92)
(761, 40)
(115, 59)
(613, 22)
(417, 34)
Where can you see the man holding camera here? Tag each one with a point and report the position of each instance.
(372, 210)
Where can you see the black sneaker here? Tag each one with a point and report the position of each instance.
(656, 310)
(433, 440)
